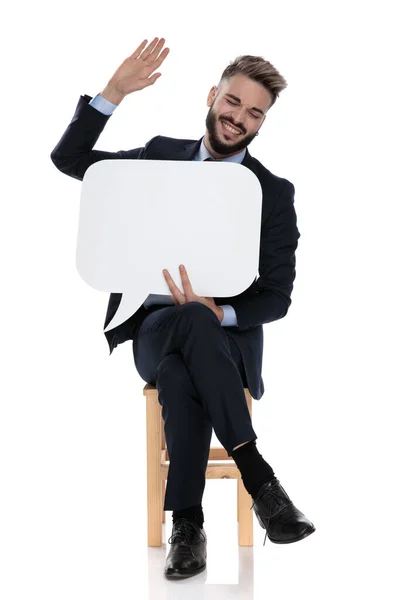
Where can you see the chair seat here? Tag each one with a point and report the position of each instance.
(220, 466)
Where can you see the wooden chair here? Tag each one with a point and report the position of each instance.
(157, 473)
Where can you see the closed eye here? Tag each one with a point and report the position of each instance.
(255, 116)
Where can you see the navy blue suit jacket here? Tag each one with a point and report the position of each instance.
(267, 298)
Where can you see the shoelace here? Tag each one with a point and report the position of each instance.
(184, 532)
(273, 492)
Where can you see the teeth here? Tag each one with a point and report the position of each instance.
(230, 128)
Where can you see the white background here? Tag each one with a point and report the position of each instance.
(72, 418)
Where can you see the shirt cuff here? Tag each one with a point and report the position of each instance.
(229, 319)
(102, 105)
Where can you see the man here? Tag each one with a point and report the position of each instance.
(201, 352)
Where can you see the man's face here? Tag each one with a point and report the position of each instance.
(242, 115)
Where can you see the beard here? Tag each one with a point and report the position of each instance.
(220, 144)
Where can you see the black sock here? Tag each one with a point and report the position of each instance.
(194, 513)
(254, 469)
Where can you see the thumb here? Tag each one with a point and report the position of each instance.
(154, 77)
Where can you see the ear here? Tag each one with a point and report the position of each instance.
(211, 95)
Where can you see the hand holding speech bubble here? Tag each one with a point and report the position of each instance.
(138, 217)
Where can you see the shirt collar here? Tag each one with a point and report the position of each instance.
(203, 153)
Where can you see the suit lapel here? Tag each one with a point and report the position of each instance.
(189, 151)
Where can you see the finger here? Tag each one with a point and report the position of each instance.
(187, 286)
(150, 48)
(139, 49)
(161, 58)
(179, 296)
(151, 80)
(156, 50)
(154, 65)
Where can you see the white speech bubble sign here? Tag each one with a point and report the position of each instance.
(138, 217)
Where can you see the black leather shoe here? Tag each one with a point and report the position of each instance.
(276, 513)
(188, 553)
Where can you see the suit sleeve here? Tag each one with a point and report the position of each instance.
(271, 296)
(74, 153)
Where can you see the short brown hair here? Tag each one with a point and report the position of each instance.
(258, 69)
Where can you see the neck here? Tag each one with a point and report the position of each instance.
(215, 154)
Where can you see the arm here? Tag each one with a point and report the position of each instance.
(74, 153)
(268, 299)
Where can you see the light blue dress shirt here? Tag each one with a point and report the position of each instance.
(107, 108)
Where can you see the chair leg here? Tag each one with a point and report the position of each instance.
(245, 515)
(237, 500)
(154, 482)
(163, 485)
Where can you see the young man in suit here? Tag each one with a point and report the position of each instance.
(201, 352)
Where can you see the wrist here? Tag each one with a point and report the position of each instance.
(110, 94)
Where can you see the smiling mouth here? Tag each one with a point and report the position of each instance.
(228, 127)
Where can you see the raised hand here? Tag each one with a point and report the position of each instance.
(135, 72)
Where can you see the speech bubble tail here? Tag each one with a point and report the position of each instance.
(129, 304)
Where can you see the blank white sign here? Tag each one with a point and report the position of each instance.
(138, 217)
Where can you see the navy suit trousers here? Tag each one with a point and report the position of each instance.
(198, 371)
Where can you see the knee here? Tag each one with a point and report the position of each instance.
(171, 370)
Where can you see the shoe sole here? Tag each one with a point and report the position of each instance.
(183, 574)
(300, 537)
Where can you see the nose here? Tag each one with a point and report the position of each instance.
(239, 117)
